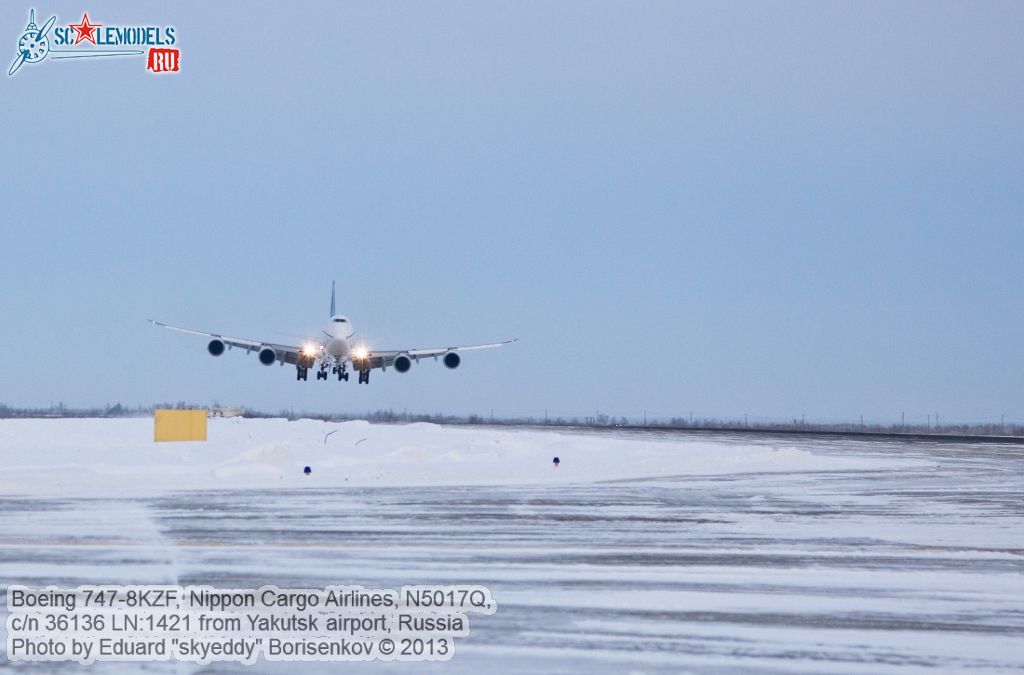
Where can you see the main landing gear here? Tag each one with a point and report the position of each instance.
(339, 369)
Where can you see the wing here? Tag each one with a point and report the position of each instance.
(287, 353)
(383, 358)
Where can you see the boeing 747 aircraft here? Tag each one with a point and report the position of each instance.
(334, 350)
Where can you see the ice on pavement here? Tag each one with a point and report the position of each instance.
(118, 456)
(643, 552)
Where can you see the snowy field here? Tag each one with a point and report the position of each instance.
(640, 553)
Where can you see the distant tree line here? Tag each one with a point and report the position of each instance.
(598, 420)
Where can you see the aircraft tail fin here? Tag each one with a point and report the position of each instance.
(332, 298)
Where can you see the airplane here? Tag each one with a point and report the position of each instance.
(335, 350)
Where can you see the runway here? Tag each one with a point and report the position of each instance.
(912, 569)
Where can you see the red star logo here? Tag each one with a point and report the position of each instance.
(85, 30)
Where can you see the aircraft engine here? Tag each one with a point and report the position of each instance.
(216, 347)
(268, 356)
(403, 363)
(452, 360)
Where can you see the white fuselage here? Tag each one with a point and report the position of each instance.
(337, 336)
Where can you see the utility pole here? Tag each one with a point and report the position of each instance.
(903, 421)
(545, 415)
(645, 417)
(744, 419)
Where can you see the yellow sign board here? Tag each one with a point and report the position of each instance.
(179, 425)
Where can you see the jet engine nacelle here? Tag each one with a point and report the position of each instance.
(216, 347)
(452, 360)
(267, 356)
(403, 363)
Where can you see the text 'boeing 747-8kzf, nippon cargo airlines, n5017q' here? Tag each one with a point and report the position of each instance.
(334, 350)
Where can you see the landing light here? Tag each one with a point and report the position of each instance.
(310, 350)
(360, 353)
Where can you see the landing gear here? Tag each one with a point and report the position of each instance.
(364, 377)
(339, 369)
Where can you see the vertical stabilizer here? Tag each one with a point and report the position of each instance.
(332, 298)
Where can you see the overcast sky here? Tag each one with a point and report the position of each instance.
(765, 208)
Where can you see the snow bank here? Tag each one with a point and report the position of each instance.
(119, 457)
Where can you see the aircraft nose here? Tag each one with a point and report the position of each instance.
(337, 347)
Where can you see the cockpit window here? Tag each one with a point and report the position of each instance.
(339, 321)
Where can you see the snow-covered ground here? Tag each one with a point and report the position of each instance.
(118, 457)
(640, 553)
